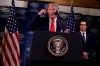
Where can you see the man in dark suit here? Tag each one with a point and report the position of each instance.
(88, 42)
(44, 23)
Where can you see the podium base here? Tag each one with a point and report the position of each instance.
(57, 63)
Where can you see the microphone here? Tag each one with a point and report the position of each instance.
(56, 13)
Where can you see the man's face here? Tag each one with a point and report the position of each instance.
(52, 10)
(83, 26)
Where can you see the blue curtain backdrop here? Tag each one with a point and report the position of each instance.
(32, 9)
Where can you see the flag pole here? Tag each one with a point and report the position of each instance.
(72, 2)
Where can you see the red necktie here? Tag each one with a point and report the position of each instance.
(52, 29)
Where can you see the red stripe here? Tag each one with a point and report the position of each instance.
(2, 55)
(6, 56)
(16, 48)
(9, 47)
(17, 36)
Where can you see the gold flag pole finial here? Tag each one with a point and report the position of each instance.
(71, 2)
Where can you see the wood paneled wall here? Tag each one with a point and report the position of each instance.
(79, 3)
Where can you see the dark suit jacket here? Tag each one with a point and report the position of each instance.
(88, 46)
(42, 23)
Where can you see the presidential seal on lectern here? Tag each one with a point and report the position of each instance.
(57, 45)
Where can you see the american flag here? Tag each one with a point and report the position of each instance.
(10, 43)
(71, 21)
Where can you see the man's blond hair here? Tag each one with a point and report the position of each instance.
(53, 5)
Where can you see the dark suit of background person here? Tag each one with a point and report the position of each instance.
(88, 45)
(43, 23)
(98, 50)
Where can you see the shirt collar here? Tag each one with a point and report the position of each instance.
(54, 19)
(83, 32)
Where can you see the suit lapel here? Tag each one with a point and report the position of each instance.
(87, 37)
(58, 25)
